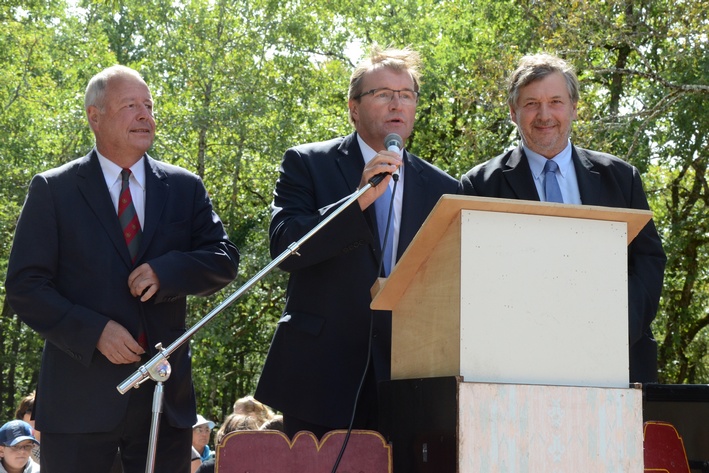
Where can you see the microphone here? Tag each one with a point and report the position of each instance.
(393, 142)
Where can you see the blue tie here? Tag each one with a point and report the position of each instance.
(381, 205)
(551, 185)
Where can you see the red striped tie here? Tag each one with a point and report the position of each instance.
(128, 217)
(132, 232)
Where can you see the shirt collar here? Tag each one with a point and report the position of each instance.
(112, 171)
(536, 160)
(368, 153)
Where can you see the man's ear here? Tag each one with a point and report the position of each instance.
(353, 105)
(513, 115)
(92, 114)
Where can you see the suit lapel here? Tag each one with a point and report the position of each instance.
(350, 161)
(519, 176)
(414, 199)
(589, 180)
(156, 194)
(351, 164)
(92, 185)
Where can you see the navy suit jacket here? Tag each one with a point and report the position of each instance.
(319, 351)
(67, 277)
(603, 180)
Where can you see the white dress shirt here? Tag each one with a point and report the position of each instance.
(112, 174)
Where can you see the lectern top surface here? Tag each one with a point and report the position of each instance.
(449, 205)
(449, 208)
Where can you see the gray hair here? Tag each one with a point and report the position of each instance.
(96, 90)
(535, 67)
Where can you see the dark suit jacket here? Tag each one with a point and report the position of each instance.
(67, 277)
(319, 351)
(604, 180)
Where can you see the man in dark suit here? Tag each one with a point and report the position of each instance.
(103, 294)
(543, 93)
(321, 350)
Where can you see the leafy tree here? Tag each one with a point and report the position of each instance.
(237, 83)
(43, 126)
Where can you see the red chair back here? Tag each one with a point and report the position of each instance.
(664, 449)
(270, 451)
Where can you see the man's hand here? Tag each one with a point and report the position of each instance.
(117, 344)
(384, 161)
(143, 282)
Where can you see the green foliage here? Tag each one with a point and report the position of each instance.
(42, 121)
(236, 83)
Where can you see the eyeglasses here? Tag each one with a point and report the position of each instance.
(22, 448)
(203, 429)
(385, 95)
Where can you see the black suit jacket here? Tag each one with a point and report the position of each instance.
(319, 351)
(67, 277)
(603, 180)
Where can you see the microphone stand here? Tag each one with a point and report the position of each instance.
(158, 367)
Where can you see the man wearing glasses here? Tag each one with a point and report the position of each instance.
(330, 350)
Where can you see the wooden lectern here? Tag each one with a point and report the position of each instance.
(519, 300)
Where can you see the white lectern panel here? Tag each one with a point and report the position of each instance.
(544, 300)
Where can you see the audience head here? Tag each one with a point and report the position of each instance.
(25, 408)
(201, 431)
(235, 422)
(16, 444)
(24, 412)
(251, 407)
(274, 423)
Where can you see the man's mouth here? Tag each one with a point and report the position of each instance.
(545, 125)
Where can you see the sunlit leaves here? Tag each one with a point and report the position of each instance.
(236, 83)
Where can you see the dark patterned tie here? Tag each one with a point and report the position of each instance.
(551, 185)
(128, 218)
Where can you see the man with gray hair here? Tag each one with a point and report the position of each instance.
(543, 93)
(330, 350)
(106, 251)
